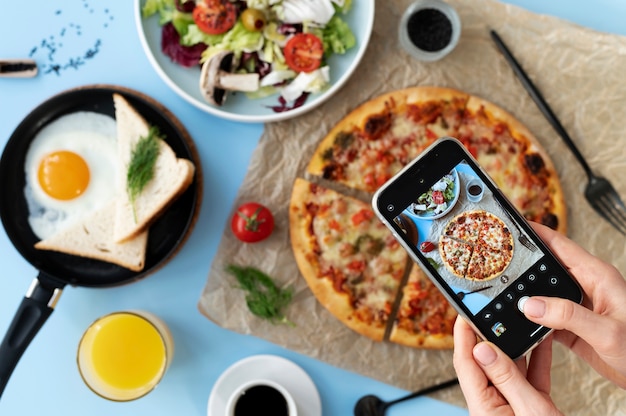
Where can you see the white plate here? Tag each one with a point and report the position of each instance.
(185, 81)
(270, 367)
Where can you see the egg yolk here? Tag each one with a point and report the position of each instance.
(63, 175)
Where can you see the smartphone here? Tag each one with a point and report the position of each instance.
(473, 244)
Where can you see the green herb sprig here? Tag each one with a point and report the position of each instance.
(263, 298)
(141, 166)
(433, 263)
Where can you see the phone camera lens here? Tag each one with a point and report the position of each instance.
(421, 181)
(390, 207)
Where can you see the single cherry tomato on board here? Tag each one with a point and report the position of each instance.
(252, 222)
(215, 17)
(427, 247)
(303, 52)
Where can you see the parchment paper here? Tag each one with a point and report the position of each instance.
(581, 74)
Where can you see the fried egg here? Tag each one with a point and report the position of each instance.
(70, 170)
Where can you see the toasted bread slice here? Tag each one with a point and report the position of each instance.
(172, 175)
(92, 237)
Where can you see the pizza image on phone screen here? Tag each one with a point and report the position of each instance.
(468, 237)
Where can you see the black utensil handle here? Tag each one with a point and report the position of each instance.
(30, 316)
(18, 68)
(426, 390)
(539, 100)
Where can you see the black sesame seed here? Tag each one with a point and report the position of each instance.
(429, 30)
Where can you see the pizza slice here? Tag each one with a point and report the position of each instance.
(487, 262)
(425, 318)
(377, 139)
(456, 255)
(349, 259)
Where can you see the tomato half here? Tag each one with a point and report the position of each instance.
(215, 17)
(303, 52)
(252, 222)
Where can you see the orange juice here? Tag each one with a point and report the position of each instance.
(122, 356)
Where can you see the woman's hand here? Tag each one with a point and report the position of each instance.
(595, 331)
(493, 384)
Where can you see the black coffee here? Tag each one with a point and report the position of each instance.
(429, 29)
(475, 190)
(261, 400)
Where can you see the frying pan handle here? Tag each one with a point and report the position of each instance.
(32, 313)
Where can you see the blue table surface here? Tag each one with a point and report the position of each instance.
(46, 380)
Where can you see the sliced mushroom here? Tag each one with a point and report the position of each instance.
(217, 78)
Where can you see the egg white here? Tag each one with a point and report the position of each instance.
(92, 136)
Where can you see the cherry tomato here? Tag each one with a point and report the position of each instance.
(303, 52)
(215, 17)
(252, 222)
(438, 197)
(427, 247)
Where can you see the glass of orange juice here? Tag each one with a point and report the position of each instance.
(123, 356)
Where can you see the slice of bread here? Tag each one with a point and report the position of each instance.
(92, 237)
(172, 175)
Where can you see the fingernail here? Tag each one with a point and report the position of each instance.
(535, 308)
(484, 354)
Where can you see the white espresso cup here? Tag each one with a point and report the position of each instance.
(261, 394)
(474, 190)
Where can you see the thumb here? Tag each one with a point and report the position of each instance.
(506, 377)
(560, 313)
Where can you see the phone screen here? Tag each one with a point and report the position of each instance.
(479, 250)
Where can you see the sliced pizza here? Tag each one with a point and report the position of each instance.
(349, 260)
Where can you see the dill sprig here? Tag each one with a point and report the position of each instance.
(263, 298)
(141, 166)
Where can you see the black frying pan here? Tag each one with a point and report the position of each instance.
(56, 270)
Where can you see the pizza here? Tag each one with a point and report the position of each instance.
(476, 245)
(353, 264)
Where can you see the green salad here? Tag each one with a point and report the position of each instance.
(437, 199)
(283, 44)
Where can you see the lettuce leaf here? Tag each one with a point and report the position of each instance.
(164, 8)
(238, 40)
(337, 37)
